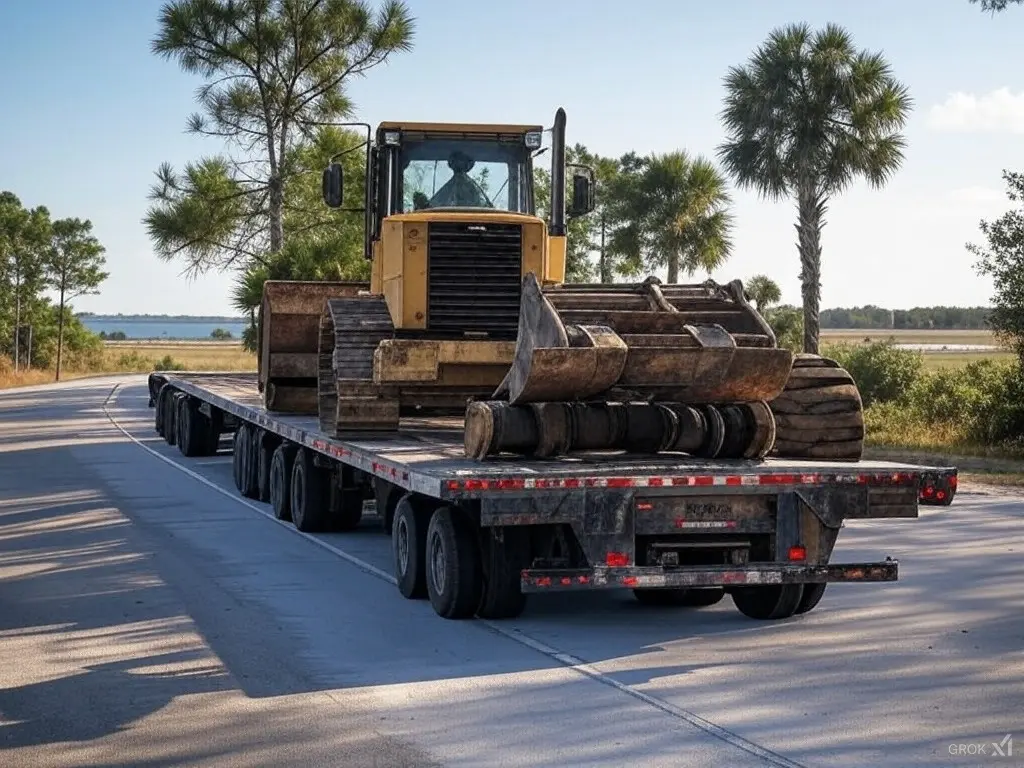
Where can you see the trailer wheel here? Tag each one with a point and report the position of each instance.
(160, 409)
(811, 597)
(768, 603)
(266, 445)
(452, 565)
(243, 461)
(309, 493)
(386, 496)
(682, 597)
(194, 439)
(346, 508)
(504, 560)
(171, 417)
(180, 427)
(236, 456)
(280, 480)
(409, 547)
(250, 468)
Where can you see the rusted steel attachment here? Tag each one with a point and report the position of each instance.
(735, 431)
(642, 342)
(289, 332)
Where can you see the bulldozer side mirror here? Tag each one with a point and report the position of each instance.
(582, 193)
(332, 185)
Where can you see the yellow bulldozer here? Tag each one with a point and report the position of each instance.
(467, 313)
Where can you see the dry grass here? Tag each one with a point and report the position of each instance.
(213, 356)
(143, 357)
(868, 336)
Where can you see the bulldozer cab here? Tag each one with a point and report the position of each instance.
(414, 167)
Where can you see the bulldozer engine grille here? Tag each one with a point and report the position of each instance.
(474, 277)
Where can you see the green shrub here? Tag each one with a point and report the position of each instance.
(788, 324)
(168, 363)
(883, 372)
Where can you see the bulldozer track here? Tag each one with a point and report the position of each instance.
(349, 400)
(819, 414)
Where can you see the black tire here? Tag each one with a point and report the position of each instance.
(680, 597)
(180, 435)
(159, 410)
(409, 547)
(171, 417)
(452, 565)
(502, 595)
(387, 496)
(309, 494)
(768, 603)
(249, 462)
(812, 595)
(346, 508)
(266, 445)
(280, 480)
(195, 429)
(237, 455)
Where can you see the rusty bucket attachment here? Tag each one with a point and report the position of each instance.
(540, 430)
(289, 334)
(643, 342)
(643, 368)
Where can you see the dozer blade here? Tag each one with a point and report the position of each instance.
(643, 343)
(289, 333)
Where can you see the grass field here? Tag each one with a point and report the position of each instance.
(868, 336)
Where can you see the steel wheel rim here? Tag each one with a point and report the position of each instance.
(438, 561)
(402, 545)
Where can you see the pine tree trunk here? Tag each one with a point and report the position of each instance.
(60, 335)
(606, 276)
(811, 208)
(673, 268)
(276, 212)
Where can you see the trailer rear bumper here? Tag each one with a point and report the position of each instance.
(541, 580)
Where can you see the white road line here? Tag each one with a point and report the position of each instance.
(568, 660)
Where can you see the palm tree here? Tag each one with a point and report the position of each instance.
(763, 291)
(673, 210)
(807, 115)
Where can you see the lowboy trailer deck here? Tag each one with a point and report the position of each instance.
(475, 537)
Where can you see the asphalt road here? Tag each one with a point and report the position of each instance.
(150, 616)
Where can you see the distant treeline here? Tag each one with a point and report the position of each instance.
(922, 318)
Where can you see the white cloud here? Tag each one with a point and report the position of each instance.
(999, 111)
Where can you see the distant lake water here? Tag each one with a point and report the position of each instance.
(162, 329)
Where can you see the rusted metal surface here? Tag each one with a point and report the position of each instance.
(735, 431)
(688, 344)
(819, 414)
(288, 330)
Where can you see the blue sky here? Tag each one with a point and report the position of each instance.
(88, 113)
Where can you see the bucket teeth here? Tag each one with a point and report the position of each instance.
(642, 342)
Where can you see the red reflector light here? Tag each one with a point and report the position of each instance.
(929, 491)
(952, 482)
(940, 495)
(616, 560)
(630, 581)
(797, 553)
(644, 506)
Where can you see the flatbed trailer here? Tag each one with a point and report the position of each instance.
(476, 537)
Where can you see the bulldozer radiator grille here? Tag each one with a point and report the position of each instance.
(474, 277)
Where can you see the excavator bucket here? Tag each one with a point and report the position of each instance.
(643, 343)
(643, 368)
(289, 337)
